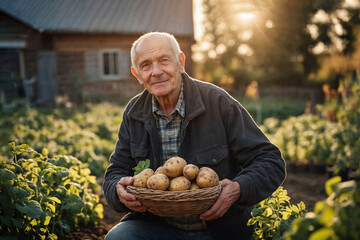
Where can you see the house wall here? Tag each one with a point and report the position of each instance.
(10, 29)
(18, 58)
(78, 59)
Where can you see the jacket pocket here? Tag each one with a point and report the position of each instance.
(139, 152)
(212, 156)
(216, 158)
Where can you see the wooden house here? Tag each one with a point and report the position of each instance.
(76, 47)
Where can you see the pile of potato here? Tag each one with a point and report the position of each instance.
(176, 175)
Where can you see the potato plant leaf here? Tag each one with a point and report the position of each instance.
(330, 183)
(37, 191)
(31, 209)
(6, 174)
(141, 166)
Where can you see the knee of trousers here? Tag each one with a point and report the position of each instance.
(116, 233)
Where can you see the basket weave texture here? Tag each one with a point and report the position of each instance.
(176, 203)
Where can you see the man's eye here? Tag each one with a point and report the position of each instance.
(145, 65)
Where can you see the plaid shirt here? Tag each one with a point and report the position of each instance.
(169, 128)
(169, 132)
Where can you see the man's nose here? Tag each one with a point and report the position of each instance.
(156, 69)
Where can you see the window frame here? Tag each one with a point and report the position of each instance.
(103, 76)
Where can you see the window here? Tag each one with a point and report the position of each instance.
(114, 64)
(110, 63)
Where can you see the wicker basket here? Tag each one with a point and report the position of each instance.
(176, 203)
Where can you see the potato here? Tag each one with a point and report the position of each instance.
(173, 167)
(140, 179)
(179, 184)
(190, 171)
(207, 178)
(160, 170)
(194, 186)
(158, 181)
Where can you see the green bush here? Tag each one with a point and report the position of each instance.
(41, 197)
(334, 218)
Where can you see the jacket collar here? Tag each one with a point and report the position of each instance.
(142, 108)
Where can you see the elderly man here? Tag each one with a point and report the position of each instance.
(177, 115)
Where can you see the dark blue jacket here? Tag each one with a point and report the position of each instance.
(217, 132)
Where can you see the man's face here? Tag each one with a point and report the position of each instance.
(158, 67)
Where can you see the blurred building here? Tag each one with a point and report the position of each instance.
(76, 47)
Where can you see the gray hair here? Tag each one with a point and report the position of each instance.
(173, 43)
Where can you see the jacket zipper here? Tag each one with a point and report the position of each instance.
(187, 123)
(156, 162)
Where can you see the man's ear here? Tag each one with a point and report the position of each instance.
(133, 71)
(182, 59)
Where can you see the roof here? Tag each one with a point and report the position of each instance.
(103, 16)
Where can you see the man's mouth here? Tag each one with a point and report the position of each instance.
(160, 82)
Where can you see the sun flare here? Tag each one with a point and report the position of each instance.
(246, 16)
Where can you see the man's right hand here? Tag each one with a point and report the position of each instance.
(126, 198)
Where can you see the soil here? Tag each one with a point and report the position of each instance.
(98, 232)
(306, 187)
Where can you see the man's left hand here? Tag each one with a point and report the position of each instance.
(230, 193)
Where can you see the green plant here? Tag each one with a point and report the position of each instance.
(334, 218)
(345, 149)
(313, 139)
(320, 140)
(274, 215)
(41, 196)
(79, 132)
(303, 139)
(141, 166)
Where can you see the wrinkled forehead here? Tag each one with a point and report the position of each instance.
(153, 39)
(153, 43)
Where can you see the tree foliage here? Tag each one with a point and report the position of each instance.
(279, 45)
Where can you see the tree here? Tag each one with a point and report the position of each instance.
(278, 45)
(281, 42)
(336, 25)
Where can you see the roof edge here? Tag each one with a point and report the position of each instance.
(19, 20)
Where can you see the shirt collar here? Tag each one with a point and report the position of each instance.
(180, 106)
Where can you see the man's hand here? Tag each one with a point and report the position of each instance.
(230, 193)
(126, 198)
